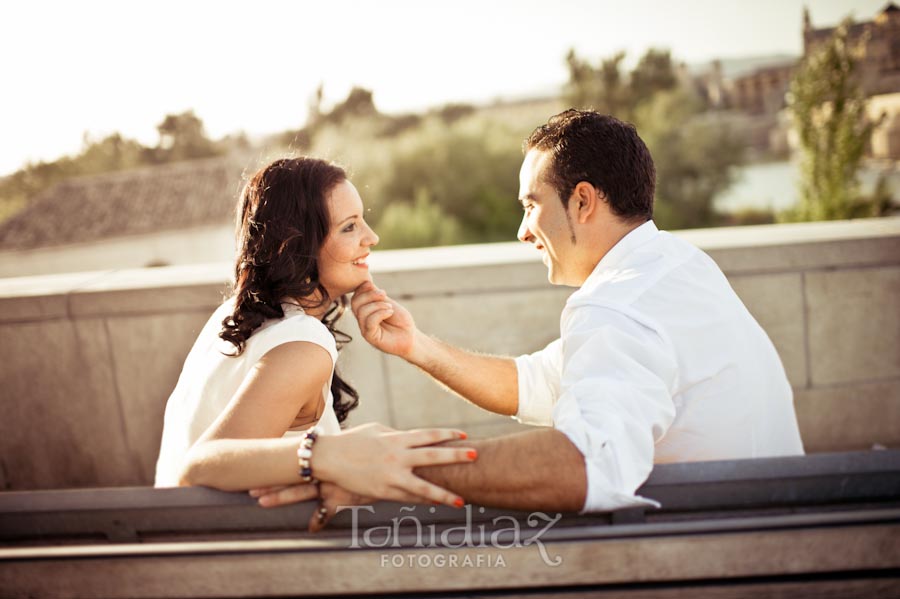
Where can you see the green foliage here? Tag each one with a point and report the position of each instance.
(607, 89)
(451, 113)
(11, 204)
(694, 150)
(878, 203)
(359, 103)
(471, 181)
(449, 178)
(19, 187)
(357, 110)
(421, 224)
(829, 113)
(694, 154)
(111, 153)
(603, 88)
(747, 216)
(98, 156)
(181, 137)
(654, 73)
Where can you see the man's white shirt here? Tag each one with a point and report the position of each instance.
(658, 360)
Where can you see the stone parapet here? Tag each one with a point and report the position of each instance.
(89, 359)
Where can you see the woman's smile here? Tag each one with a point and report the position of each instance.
(343, 260)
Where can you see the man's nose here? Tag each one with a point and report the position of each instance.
(524, 234)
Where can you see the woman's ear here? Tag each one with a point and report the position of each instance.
(585, 201)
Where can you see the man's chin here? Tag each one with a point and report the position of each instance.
(556, 278)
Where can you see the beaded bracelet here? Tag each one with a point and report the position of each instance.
(304, 454)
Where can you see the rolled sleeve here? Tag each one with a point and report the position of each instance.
(615, 402)
(538, 376)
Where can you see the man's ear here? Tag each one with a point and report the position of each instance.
(585, 201)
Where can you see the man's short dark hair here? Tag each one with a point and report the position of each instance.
(602, 150)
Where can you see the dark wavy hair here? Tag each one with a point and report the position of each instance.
(605, 152)
(282, 221)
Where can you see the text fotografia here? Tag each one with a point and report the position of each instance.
(443, 560)
(408, 532)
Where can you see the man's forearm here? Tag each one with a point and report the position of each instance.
(490, 382)
(534, 470)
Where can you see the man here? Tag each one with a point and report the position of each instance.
(658, 360)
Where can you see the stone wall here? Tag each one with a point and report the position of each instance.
(186, 246)
(88, 359)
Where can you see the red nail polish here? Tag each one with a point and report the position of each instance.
(458, 502)
(463, 435)
(472, 454)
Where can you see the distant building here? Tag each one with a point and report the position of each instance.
(752, 91)
(177, 213)
(762, 91)
(879, 42)
(759, 95)
(879, 72)
(885, 143)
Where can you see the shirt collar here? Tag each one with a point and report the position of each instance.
(634, 239)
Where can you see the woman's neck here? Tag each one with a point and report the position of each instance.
(312, 305)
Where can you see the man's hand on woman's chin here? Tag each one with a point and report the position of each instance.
(382, 321)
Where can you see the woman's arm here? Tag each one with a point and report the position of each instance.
(240, 464)
(286, 381)
(371, 460)
(244, 447)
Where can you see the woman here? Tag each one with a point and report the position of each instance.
(263, 366)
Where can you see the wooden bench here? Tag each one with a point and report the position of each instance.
(803, 526)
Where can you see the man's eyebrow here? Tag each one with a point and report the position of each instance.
(528, 197)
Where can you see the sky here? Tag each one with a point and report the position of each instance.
(95, 67)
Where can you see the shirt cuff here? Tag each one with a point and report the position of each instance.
(530, 410)
(601, 497)
(606, 489)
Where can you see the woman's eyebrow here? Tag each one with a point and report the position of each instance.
(348, 218)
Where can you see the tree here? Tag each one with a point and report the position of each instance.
(182, 137)
(112, 153)
(421, 224)
(603, 89)
(829, 114)
(469, 174)
(654, 73)
(694, 150)
(359, 103)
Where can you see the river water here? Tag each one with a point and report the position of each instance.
(774, 185)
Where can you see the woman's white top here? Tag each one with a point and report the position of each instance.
(211, 377)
